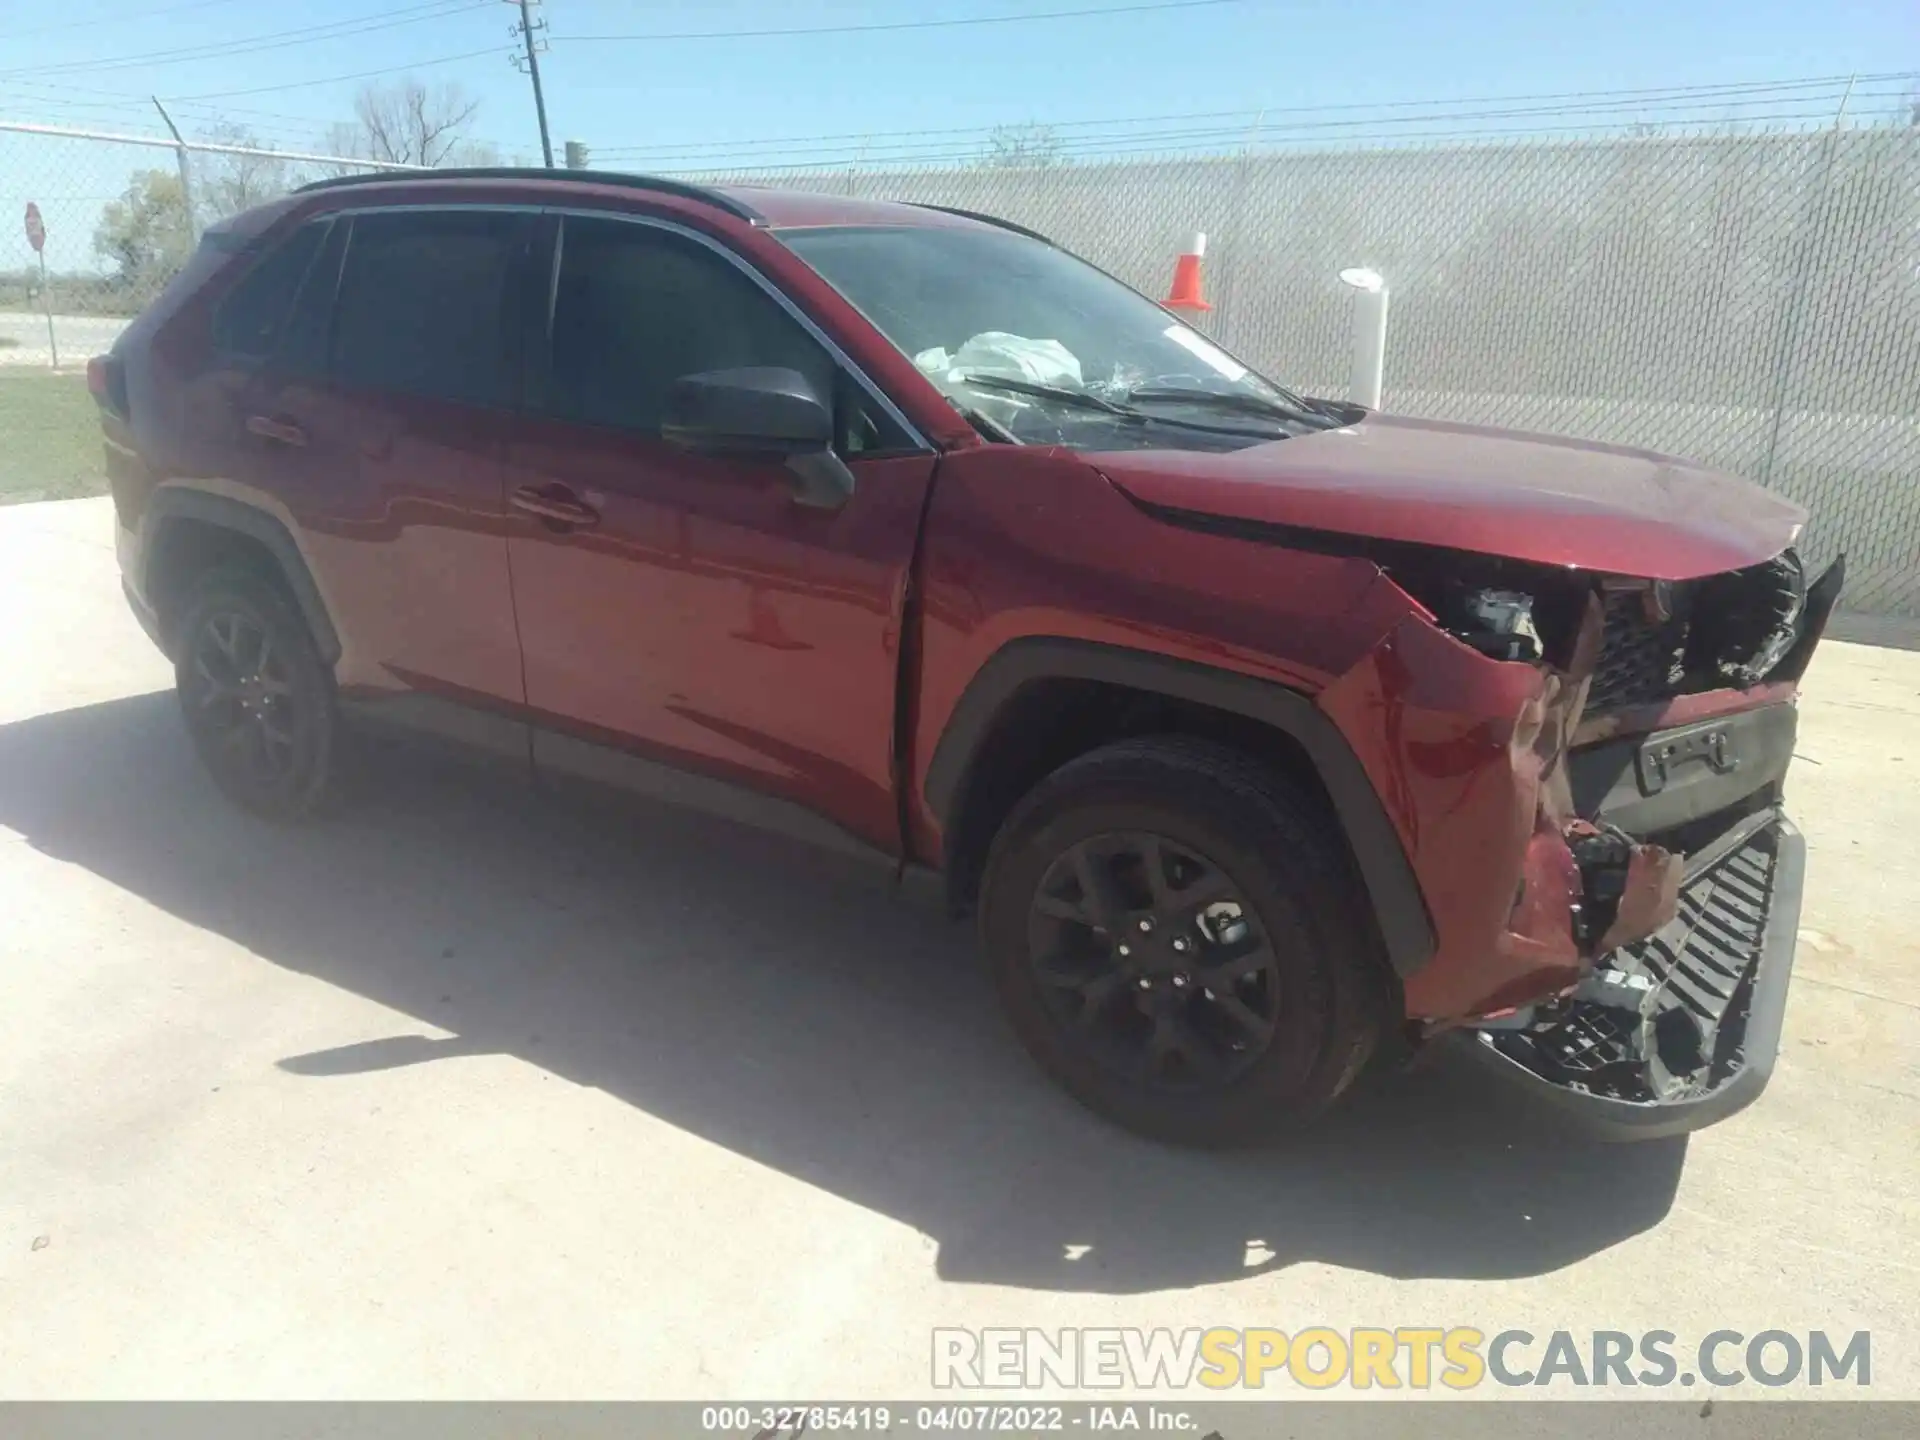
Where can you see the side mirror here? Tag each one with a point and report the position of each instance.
(758, 411)
(765, 411)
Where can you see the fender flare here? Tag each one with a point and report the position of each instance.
(1406, 928)
(174, 503)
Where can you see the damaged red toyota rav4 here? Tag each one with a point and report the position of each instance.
(1264, 734)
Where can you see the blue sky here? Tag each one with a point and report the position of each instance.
(659, 101)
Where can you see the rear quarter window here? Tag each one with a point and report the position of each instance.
(249, 320)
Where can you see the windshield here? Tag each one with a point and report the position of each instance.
(1030, 342)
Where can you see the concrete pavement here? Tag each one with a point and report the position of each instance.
(466, 1094)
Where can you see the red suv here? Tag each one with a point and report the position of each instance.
(1264, 734)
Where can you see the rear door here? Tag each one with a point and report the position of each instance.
(385, 411)
(225, 408)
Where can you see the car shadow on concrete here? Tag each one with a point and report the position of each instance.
(756, 995)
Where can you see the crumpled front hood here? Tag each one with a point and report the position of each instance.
(1540, 498)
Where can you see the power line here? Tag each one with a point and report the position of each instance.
(1102, 11)
(281, 40)
(57, 94)
(117, 19)
(1208, 145)
(204, 127)
(110, 62)
(339, 79)
(268, 122)
(961, 158)
(1266, 113)
(1247, 116)
(1264, 122)
(197, 107)
(876, 150)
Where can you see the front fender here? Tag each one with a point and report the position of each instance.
(1402, 916)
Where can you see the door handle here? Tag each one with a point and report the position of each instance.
(556, 505)
(281, 432)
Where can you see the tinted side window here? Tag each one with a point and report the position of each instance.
(423, 302)
(303, 341)
(248, 321)
(635, 308)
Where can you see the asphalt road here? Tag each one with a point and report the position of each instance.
(463, 1093)
(78, 337)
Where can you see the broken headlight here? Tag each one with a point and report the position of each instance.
(1505, 609)
(1743, 623)
(1498, 623)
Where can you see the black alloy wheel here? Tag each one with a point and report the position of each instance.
(1180, 939)
(1150, 953)
(257, 701)
(244, 694)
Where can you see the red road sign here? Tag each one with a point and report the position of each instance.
(36, 227)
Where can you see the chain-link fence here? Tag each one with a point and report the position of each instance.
(118, 215)
(1751, 302)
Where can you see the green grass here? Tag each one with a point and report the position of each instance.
(49, 439)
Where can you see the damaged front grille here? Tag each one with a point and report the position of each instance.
(1642, 658)
(1665, 1018)
(1661, 640)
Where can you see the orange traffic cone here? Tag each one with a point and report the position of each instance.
(1184, 293)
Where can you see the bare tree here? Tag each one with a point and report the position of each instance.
(1029, 146)
(410, 123)
(227, 184)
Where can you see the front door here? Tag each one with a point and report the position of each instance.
(682, 609)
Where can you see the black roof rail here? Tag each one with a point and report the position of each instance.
(654, 183)
(994, 220)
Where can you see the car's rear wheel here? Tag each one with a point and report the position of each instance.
(1180, 941)
(257, 700)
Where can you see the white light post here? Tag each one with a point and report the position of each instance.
(1369, 335)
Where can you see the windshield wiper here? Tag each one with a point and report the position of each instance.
(1238, 404)
(1084, 399)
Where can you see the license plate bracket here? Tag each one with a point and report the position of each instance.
(1715, 746)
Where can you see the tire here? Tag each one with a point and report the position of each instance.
(1290, 974)
(257, 700)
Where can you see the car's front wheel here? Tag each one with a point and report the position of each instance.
(257, 700)
(1180, 942)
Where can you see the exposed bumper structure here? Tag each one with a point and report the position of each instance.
(1681, 1029)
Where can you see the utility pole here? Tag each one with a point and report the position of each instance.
(186, 172)
(526, 32)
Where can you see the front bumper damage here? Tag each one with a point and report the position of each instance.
(1679, 1029)
(1677, 1023)
(1615, 894)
